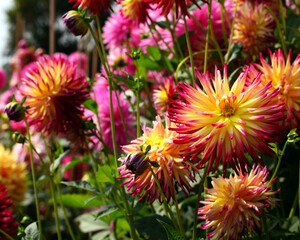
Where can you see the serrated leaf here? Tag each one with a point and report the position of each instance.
(105, 175)
(57, 161)
(32, 232)
(80, 200)
(172, 233)
(81, 185)
(154, 52)
(128, 81)
(92, 105)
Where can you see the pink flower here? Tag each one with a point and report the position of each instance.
(2, 78)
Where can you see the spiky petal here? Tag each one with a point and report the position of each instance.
(55, 95)
(223, 123)
(234, 205)
(285, 76)
(93, 5)
(172, 165)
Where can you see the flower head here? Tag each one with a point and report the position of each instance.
(13, 175)
(222, 123)
(15, 111)
(75, 23)
(234, 205)
(93, 5)
(137, 162)
(135, 10)
(172, 165)
(7, 218)
(54, 95)
(284, 76)
(180, 5)
(163, 96)
(254, 28)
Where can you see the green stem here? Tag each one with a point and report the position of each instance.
(279, 31)
(207, 36)
(37, 203)
(187, 37)
(55, 209)
(65, 213)
(231, 31)
(293, 209)
(138, 118)
(279, 157)
(200, 190)
(178, 213)
(166, 206)
(6, 235)
(265, 225)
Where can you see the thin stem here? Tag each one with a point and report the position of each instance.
(190, 50)
(65, 213)
(200, 189)
(166, 206)
(265, 225)
(231, 31)
(293, 209)
(37, 203)
(178, 213)
(279, 156)
(6, 235)
(55, 209)
(207, 36)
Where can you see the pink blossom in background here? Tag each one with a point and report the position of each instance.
(2, 78)
(76, 172)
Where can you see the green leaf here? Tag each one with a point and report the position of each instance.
(69, 165)
(105, 174)
(57, 161)
(32, 232)
(150, 228)
(80, 200)
(172, 233)
(235, 52)
(92, 105)
(154, 52)
(146, 62)
(128, 81)
(81, 185)
(107, 210)
(162, 24)
(88, 223)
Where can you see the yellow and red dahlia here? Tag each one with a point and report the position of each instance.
(254, 28)
(234, 205)
(223, 123)
(168, 155)
(54, 94)
(284, 76)
(13, 175)
(180, 5)
(135, 10)
(163, 96)
(93, 5)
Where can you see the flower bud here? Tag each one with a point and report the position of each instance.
(18, 137)
(137, 162)
(75, 23)
(15, 111)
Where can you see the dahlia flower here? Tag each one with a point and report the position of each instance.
(222, 123)
(2, 78)
(135, 10)
(254, 28)
(284, 76)
(234, 205)
(180, 5)
(13, 175)
(172, 165)
(93, 5)
(163, 96)
(54, 95)
(7, 218)
(102, 98)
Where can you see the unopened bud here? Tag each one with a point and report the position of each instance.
(18, 137)
(15, 111)
(137, 162)
(75, 23)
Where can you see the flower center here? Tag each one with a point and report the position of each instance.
(227, 106)
(283, 85)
